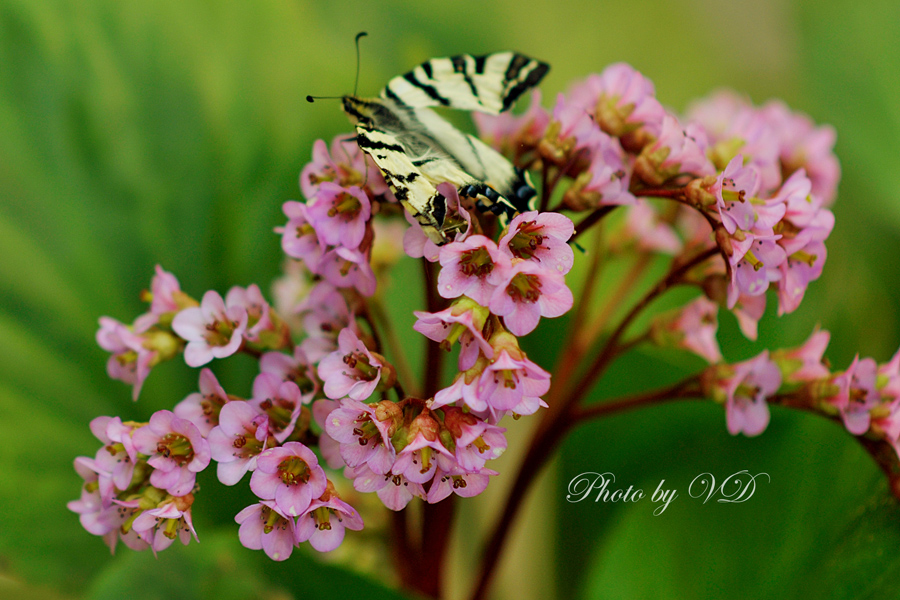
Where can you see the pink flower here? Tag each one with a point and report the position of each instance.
(241, 435)
(735, 126)
(606, 180)
(299, 239)
(457, 481)
(281, 401)
(165, 297)
(296, 367)
(540, 237)
(202, 408)
(290, 475)
(734, 189)
(97, 519)
(211, 330)
(394, 491)
(475, 441)
(754, 265)
(747, 389)
(347, 165)
(339, 214)
(526, 292)
(161, 525)
(114, 462)
(749, 310)
(857, 394)
(364, 438)
(678, 150)
(803, 145)
(697, 323)
(328, 446)
(466, 268)
(131, 361)
(463, 321)
(345, 267)
(416, 461)
(324, 522)
(260, 327)
(352, 370)
(621, 100)
(325, 313)
(507, 380)
(265, 527)
(176, 449)
(804, 363)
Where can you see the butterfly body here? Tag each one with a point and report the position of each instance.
(416, 149)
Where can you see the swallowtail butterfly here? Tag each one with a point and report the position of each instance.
(416, 149)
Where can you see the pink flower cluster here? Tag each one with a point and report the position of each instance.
(739, 195)
(764, 175)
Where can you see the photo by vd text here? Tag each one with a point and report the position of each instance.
(600, 487)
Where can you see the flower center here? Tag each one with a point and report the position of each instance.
(294, 471)
(345, 205)
(476, 263)
(524, 287)
(527, 240)
(177, 447)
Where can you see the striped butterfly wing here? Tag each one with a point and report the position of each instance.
(413, 190)
(489, 84)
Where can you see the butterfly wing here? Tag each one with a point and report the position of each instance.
(489, 84)
(411, 187)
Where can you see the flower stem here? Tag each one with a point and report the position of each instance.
(563, 414)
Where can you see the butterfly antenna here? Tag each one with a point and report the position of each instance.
(356, 82)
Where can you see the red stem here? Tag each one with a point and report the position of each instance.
(562, 415)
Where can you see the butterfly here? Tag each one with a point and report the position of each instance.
(416, 149)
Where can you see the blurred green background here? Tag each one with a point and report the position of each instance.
(136, 133)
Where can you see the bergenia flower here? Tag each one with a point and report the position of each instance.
(352, 370)
(260, 322)
(804, 363)
(176, 449)
(161, 525)
(463, 321)
(526, 292)
(540, 237)
(747, 389)
(364, 435)
(290, 475)
(339, 214)
(621, 100)
(265, 527)
(211, 330)
(202, 408)
(324, 522)
(416, 461)
(282, 401)
(241, 435)
(347, 165)
(675, 152)
(467, 267)
(857, 394)
(347, 268)
(463, 483)
(299, 238)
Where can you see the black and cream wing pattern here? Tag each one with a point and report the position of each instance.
(416, 149)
